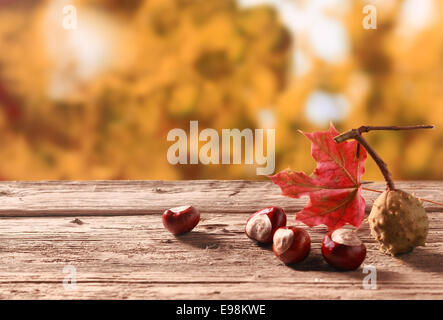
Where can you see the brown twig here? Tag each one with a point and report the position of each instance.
(356, 134)
(380, 163)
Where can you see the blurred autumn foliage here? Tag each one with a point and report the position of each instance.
(98, 102)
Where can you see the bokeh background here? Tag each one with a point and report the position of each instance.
(97, 102)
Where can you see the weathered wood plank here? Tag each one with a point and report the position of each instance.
(61, 198)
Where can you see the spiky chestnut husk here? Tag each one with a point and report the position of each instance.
(398, 222)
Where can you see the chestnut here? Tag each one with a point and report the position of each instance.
(343, 250)
(261, 225)
(291, 244)
(181, 219)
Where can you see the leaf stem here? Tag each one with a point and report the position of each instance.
(356, 134)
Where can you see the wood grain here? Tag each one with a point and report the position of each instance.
(121, 250)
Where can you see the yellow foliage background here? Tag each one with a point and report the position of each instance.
(97, 103)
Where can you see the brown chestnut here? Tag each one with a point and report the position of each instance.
(261, 225)
(343, 250)
(291, 244)
(181, 219)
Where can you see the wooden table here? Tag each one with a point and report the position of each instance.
(111, 233)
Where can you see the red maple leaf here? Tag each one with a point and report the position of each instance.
(334, 188)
